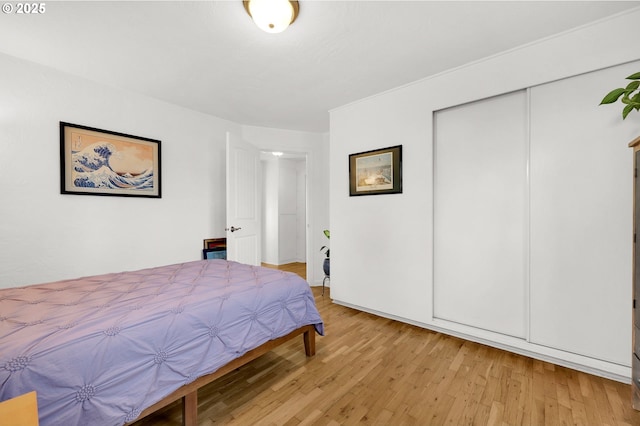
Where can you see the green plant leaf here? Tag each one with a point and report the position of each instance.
(612, 96)
(327, 233)
(627, 110)
(635, 76)
(632, 86)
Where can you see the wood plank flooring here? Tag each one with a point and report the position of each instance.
(296, 268)
(372, 370)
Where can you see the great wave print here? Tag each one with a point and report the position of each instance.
(101, 162)
(92, 169)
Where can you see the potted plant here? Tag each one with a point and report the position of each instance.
(325, 250)
(631, 100)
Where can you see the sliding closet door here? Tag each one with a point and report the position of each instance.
(480, 213)
(581, 218)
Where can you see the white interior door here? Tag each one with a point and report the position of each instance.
(243, 201)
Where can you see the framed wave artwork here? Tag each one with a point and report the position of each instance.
(100, 162)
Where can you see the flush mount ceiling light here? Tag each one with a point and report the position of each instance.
(272, 16)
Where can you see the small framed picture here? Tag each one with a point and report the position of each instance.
(376, 172)
(215, 248)
(101, 162)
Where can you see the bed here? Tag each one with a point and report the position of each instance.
(109, 349)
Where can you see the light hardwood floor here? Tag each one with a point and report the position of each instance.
(372, 370)
(296, 268)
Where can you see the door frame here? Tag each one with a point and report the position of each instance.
(307, 159)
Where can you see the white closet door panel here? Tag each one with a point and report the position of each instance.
(480, 214)
(581, 219)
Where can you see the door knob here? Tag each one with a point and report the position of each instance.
(232, 229)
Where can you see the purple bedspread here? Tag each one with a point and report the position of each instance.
(99, 350)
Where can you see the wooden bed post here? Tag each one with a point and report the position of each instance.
(309, 337)
(190, 409)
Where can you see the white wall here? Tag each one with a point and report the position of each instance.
(46, 236)
(316, 148)
(382, 254)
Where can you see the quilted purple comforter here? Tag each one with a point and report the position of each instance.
(99, 350)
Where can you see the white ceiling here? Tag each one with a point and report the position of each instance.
(208, 56)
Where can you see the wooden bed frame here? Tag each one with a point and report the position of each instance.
(189, 392)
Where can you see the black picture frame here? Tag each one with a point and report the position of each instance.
(102, 162)
(376, 172)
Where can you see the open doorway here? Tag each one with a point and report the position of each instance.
(284, 211)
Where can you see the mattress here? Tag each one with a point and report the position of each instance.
(98, 350)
